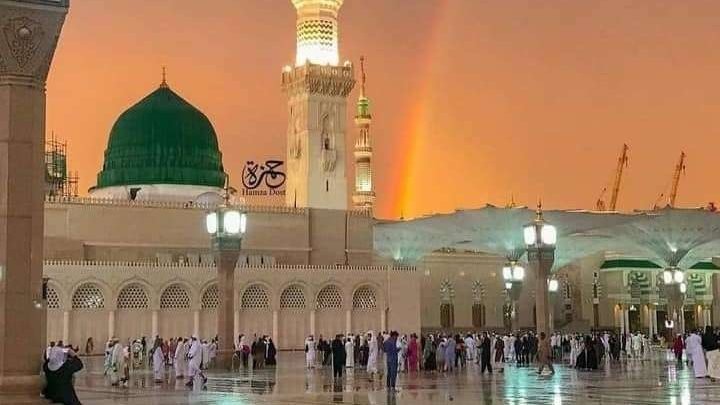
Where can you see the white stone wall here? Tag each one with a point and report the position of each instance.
(129, 300)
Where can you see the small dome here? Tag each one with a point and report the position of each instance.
(162, 139)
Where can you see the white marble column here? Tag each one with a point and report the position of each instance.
(196, 324)
(383, 320)
(312, 323)
(626, 316)
(154, 325)
(66, 327)
(348, 321)
(236, 325)
(708, 316)
(111, 323)
(276, 327)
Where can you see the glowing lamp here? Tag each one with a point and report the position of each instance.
(518, 273)
(507, 273)
(683, 288)
(508, 285)
(553, 285)
(667, 277)
(678, 276)
(529, 235)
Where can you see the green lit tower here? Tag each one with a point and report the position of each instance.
(364, 195)
(162, 149)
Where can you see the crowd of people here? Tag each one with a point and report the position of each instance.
(382, 353)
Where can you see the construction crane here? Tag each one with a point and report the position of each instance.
(622, 163)
(679, 170)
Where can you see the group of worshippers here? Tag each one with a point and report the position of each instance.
(702, 352)
(400, 354)
(60, 363)
(361, 350)
(261, 350)
(187, 356)
(447, 353)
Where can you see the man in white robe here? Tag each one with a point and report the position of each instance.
(195, 361)
(180, 359)
(310, 352)
(158, 362)
(372, 365)
(470, 348)
(694, 351)
(349, 352)
(117, 364)
(205, 363)
(636, 345)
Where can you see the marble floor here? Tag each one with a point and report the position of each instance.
(656, 381)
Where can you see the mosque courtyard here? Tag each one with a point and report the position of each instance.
(655, 381)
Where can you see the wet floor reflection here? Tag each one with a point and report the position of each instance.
(656, 381)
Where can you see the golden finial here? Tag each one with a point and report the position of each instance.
(363, 77)
(164, 78)
(539, 212)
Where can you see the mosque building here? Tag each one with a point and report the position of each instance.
(132, 259)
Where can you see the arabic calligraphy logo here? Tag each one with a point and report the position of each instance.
(269, 173)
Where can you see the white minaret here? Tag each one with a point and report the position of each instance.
(364, 195)
(317, 89)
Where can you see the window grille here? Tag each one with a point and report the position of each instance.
(292, 297)
(88, 296)
(211, 298)
(329, 297)
(364, 298)
(255, 297)
(132, 296)
(175, 297)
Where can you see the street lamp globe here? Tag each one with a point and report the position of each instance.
(518, 273)
(226, 222)
(507, 273)
(678, 276)
(683, 288)
(539, 233)
(667, 277)
(553, 285)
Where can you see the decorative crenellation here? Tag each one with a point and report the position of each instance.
(112, 202)
(334, 81)
(201, 266)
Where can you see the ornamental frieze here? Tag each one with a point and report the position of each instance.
(23, 37)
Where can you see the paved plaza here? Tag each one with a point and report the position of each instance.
(654, 381)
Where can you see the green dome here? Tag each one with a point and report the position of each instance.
(162, 139)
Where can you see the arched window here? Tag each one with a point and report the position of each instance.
(210, 298)
(447, 315)
(364, 298)
(132, 296)
(292, 297)
(478, 315)
(330, 297)
(53, 298)
(255, 297)
(88, 296)
(175, 297)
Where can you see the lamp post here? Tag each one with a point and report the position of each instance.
(540, 238)
(513, 275)
(553, 287)
(226, 226)
(675, 289)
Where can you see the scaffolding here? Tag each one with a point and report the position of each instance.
(59, 182)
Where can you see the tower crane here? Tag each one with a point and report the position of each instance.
(622, 163)
(679, 170)
(677, 174)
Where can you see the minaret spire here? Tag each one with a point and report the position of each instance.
(363, 77)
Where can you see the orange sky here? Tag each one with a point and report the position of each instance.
(474, 100)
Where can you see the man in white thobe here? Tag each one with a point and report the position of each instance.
(636, 345)
(117, 364)
(694, 351)
(158, 362)
(310, 348)
(372, 364)
(195, 355)
(180, 359)
(470, 347)
(349, 352)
